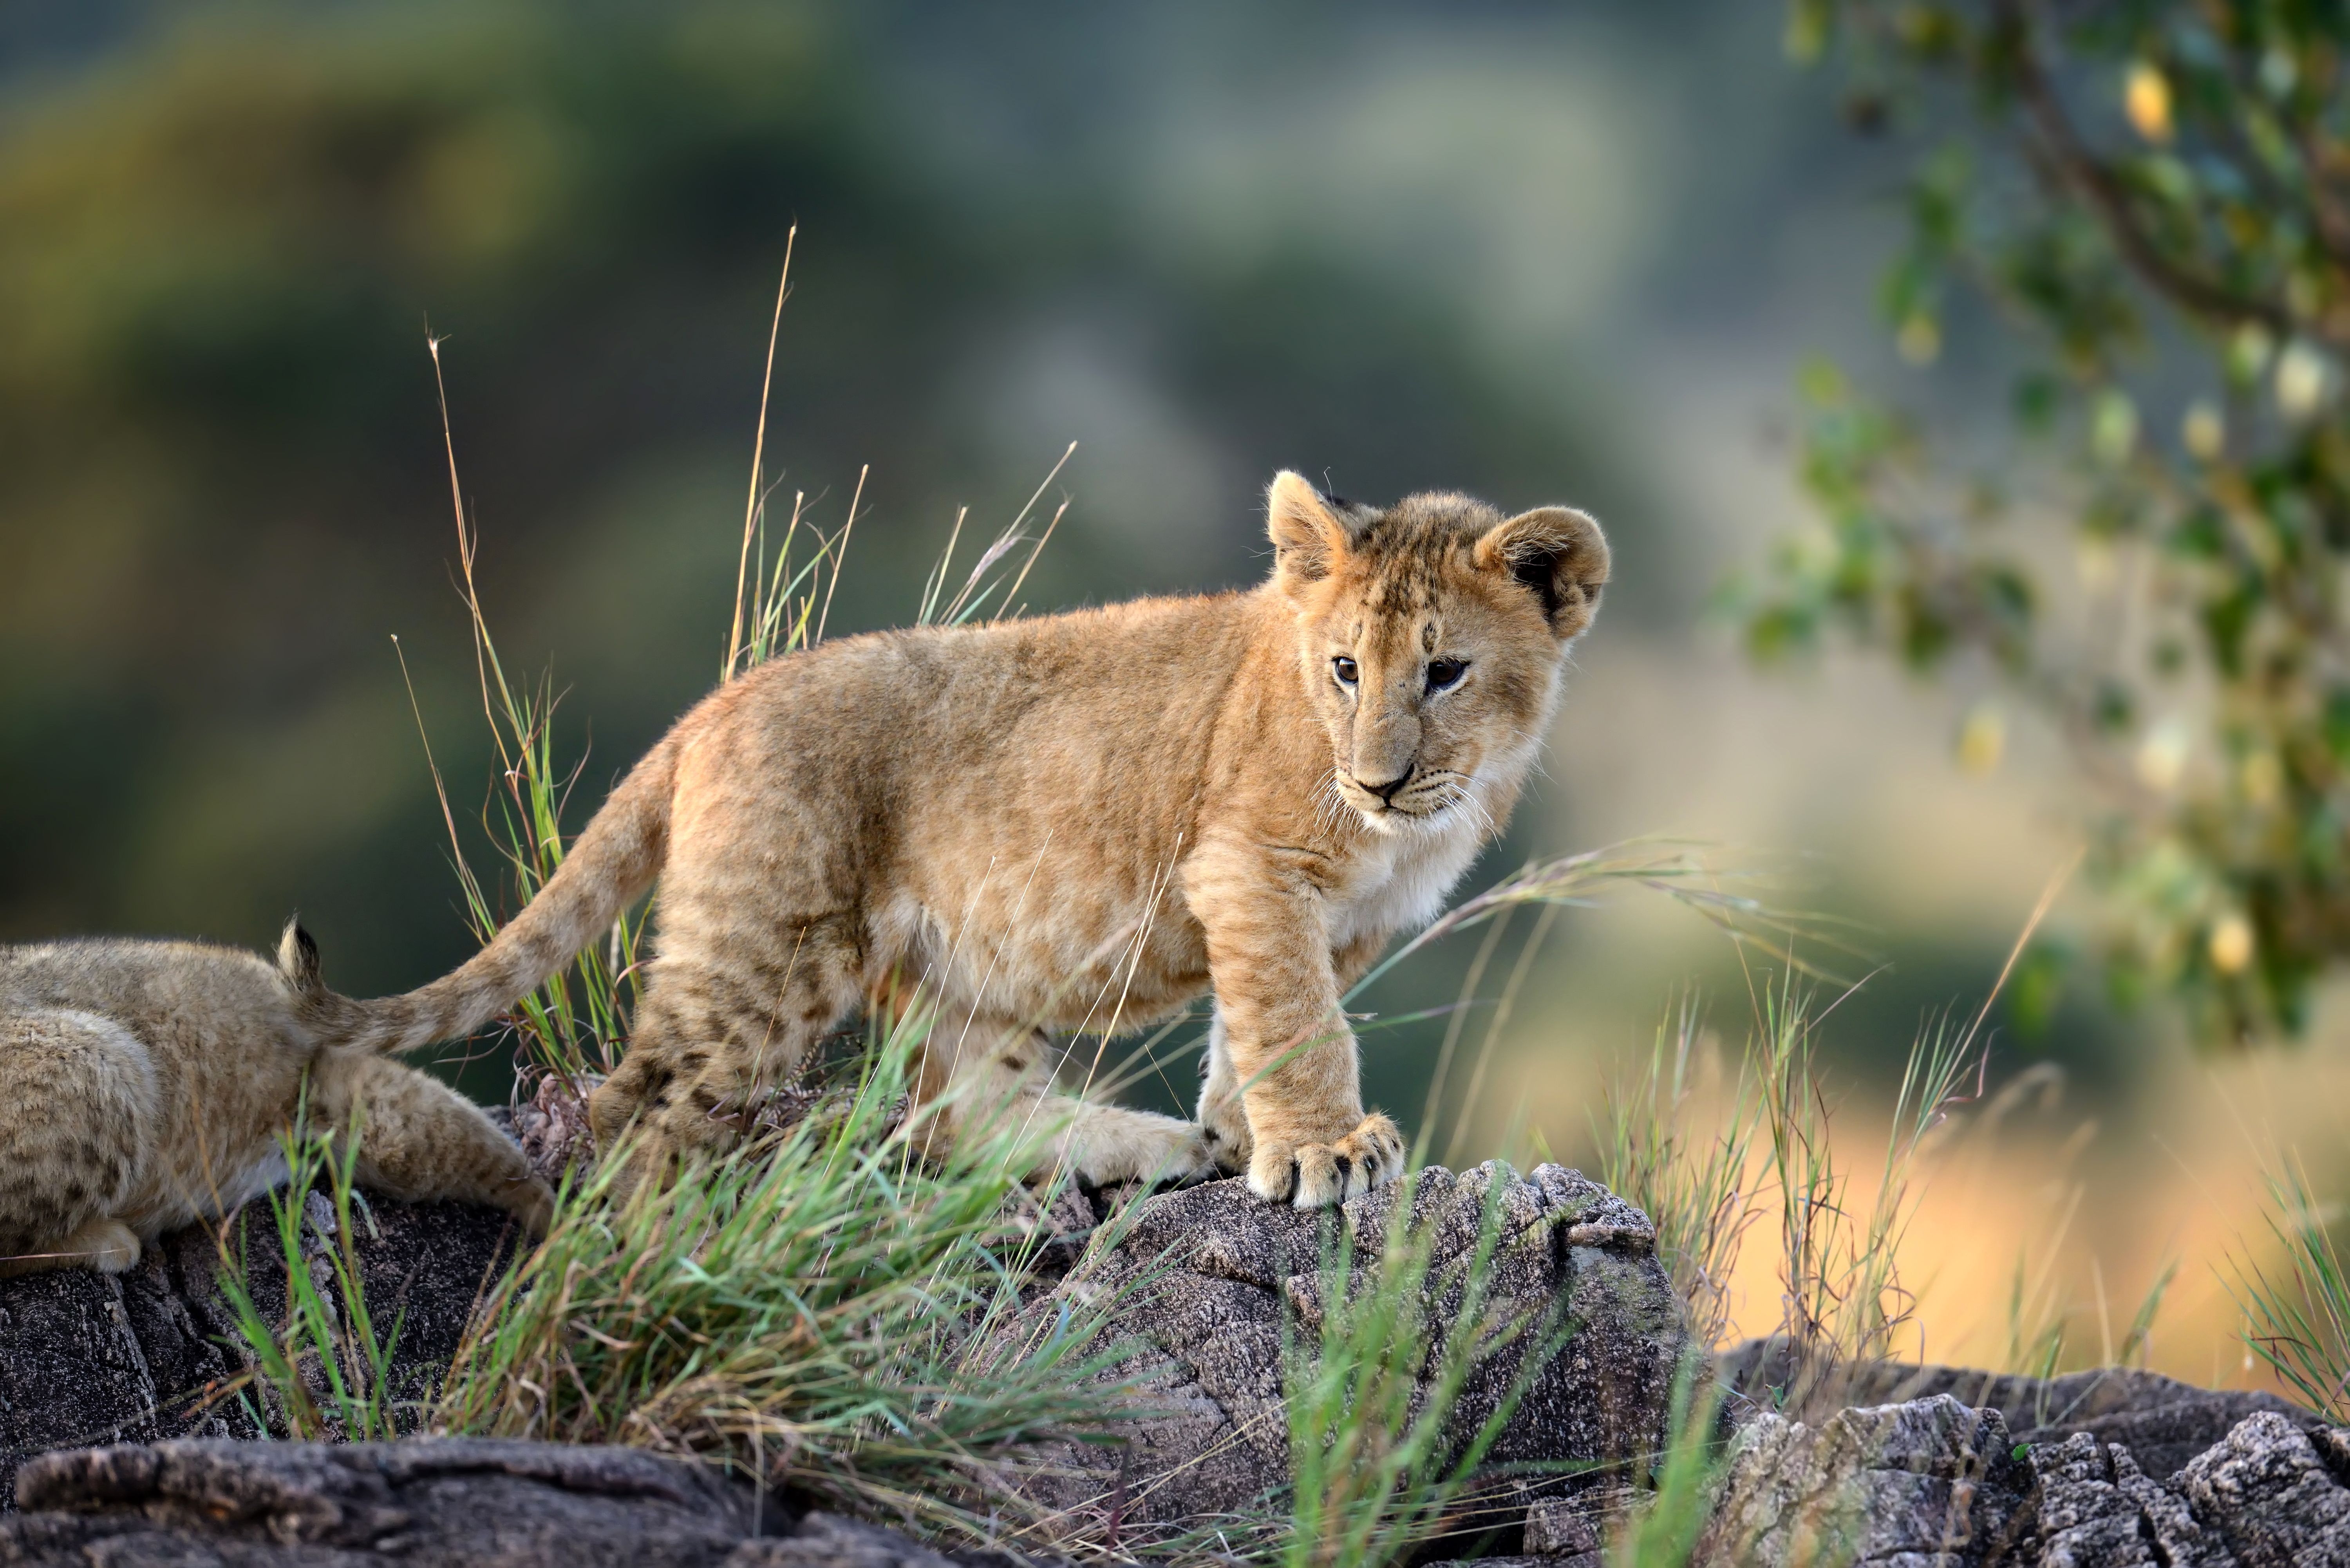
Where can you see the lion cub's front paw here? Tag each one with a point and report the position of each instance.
(1114, 1146)
(1310, 1175)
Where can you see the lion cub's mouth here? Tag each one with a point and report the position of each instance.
(1425, 798)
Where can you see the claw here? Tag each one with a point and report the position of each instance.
(1314, 1175)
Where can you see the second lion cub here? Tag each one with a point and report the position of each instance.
(1055, 823)
(147, 1082)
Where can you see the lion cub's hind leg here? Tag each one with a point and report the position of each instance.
(725, 1023)
(419, 1139)
(108, 1245)
(993, 1081)
(81, 1113)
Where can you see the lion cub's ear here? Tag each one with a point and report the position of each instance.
(1557, 552)
(1309, 537)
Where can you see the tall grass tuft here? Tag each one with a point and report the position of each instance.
(1705, 1169)
(323, 1374)
(575, 1024)
(1844, 1300)
(830, 1312)
(2298, 1321)
(1695, 1186)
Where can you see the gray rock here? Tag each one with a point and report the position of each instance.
(2333, 1446)
(1213, 1279)
(2266, 1492)
(1562, 1527)
(1974, 1469)
(828, 1541)
(2086, 1520)
(454, 1501)
(457, 1501)
(2097, 1508)
(1927, 1482)
(92, 1358)
(1572, 1531)
(2162, 1421)
(1933, 1481)
(1218, 1274)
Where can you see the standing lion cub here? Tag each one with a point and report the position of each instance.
(146, 1083)
(1079, 823)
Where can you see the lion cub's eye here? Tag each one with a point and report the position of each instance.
(1344, 669)
(1444, 672)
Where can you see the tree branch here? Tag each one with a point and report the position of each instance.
(2062, 149)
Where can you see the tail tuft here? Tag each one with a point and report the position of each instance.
(297, 960)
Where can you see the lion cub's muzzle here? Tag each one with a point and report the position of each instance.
(1418, 796)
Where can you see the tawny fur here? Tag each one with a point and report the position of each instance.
(1080, 823)
(147, 1082)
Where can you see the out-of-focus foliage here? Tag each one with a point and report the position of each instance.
(2142, 209)
(221, 483)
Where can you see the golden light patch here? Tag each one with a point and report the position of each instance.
(2231, 945)
(1982, 738)
(2145, 99)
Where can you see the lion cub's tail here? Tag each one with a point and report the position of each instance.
(610, 864)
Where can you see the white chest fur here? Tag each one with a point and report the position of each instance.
(1402, 878)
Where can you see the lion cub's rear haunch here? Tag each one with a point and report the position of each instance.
(1080, 823)
(146, 1082)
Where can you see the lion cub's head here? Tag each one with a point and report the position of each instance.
(1430, 636)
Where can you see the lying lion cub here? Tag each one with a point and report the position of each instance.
(147, 1082)
(1079, 823)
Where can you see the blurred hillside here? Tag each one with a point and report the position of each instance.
(1535, 251)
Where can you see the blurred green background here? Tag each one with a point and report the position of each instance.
(1536, 251)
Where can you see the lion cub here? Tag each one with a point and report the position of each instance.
(1079, 823)
(146, 1082)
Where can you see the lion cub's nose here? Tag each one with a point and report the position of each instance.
(1385, 792)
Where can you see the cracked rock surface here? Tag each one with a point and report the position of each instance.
(2163, 1422)
(1927, 1482)
(1936, 1482)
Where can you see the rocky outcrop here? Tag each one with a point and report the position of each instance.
(131, 1357)
(1211, 1280)
(1931, 1483)
(1895, 1465)
(454, 1502)
(1927, 1482)
(1935, 1481)
(2268, 1493)
(2163, 1422)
